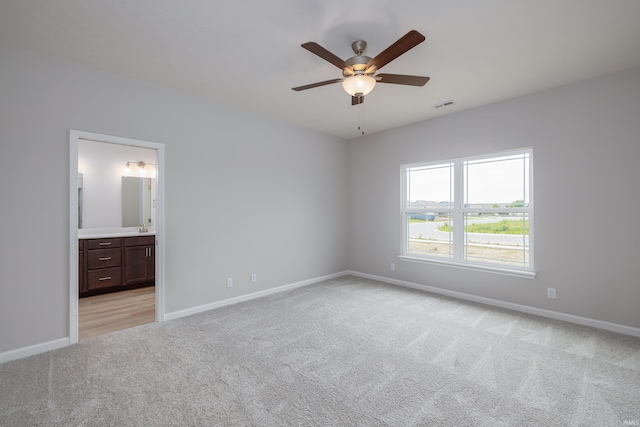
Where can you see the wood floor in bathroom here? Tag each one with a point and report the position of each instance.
(106, 313)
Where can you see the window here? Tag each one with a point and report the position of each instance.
(475, 211)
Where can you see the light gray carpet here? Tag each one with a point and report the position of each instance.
(343, 352)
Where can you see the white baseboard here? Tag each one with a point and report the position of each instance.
(613, 327)
(235, 300)
(33, 349)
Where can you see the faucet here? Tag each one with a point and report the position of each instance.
(143, 228)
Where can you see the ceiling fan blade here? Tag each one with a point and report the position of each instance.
(323, 53)
(312, 85)
(404, 44)
(356, 100)
(401, 79)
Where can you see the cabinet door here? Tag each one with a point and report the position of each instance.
(136, 264)
(151, 263)
(82, 286)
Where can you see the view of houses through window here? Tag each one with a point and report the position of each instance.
(471, 210)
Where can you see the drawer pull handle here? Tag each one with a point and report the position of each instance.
(106, 258)
(104, 243)
(105, 278)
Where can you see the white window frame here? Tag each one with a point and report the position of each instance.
(459, 210)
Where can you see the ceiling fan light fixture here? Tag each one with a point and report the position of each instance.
(358, 85)
(359, 70)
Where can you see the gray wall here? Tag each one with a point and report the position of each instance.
(586, 148)
(244, 193)
(248, 194)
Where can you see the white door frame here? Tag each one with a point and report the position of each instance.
(74, 137)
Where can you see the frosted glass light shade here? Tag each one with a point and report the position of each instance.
(361, 85)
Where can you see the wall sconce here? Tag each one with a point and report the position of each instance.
(140, 169)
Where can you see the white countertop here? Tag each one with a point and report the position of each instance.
(100, 233)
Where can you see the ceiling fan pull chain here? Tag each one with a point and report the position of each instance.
(361, 106)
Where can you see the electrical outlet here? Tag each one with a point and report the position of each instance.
(392, 267)
(551, 293)
(229, 282)
(254, 278)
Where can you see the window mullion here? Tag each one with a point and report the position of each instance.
(458, 197)
(405, 182)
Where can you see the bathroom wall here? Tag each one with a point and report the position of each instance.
(102, 166)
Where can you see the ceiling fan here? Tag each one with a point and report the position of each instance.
(359, 71)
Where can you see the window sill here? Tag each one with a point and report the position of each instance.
(484, 268)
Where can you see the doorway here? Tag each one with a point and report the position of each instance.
(115, 311)
(82, 216)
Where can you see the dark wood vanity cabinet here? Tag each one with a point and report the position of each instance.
(82, 267)
(139, 260)
(115, 264)
(103, 260)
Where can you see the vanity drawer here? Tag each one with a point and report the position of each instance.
(104, 278)
(140, 241)
(103, 258)
(103, 243)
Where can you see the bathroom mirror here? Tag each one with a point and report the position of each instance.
(138, 202)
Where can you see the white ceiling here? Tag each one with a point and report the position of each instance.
(247, 53)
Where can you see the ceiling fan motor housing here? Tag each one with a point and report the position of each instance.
(359, 62)
(358, 65)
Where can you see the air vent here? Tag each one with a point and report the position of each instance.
(444, 104)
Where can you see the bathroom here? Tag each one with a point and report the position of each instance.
(117, 197)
